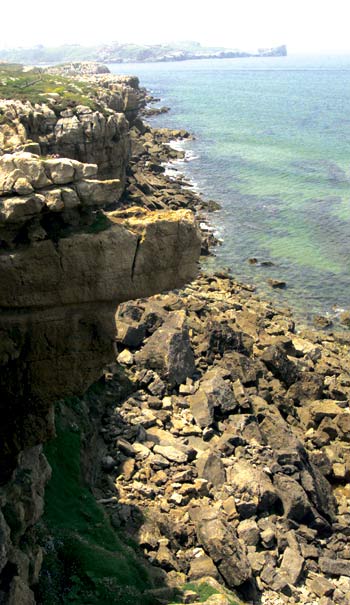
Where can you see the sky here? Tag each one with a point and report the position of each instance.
(306, 26)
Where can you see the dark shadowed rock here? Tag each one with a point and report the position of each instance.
(295, 502)
(214, 392)
(168, 351)
(210, 467)
(243, 368)
(223, 337)
(276, 360)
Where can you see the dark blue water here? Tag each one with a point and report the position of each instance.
(273, 146)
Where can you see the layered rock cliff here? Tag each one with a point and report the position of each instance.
(65, 265)
(63, 124)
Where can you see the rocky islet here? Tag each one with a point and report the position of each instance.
(234, 441)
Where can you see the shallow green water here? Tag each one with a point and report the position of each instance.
(273, 145)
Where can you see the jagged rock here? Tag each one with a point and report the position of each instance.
(279, 435)
(210, 467)
(99, 193)
(202, 408)
(4, 541)
(268, 537)
(168, 350)
(223, 547)
(126, 358)
(345, 318)
(319, 491)
(166, 559)
(223, 338)
(276, 360)
(276, 283)
(245, 478)
(240, 367)
(248, 531)
(20, 593)
(170, 453)
(335, 567)
(343, 423)
(273, 579)
(326, 408)
(306, 347)
(296, 504)
(320, 585)
(202, 565)
(130, 335)
(308, 387)
(292, 565)
(20, 209)
(213, 393)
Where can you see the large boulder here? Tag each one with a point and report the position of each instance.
(252, 481)
(211, 468)
(276, 360)
(222, 545)
(213, 392)
(168, 351)
(295, 502)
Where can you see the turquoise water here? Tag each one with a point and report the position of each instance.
(273, 146)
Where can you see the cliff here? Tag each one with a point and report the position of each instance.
(65, 265)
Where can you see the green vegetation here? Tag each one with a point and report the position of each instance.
(204, 592)
(101, 223)
(38, 87)
(86, 563)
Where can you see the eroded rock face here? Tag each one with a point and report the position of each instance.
(65, 297)
(98, 133)
(60, 283)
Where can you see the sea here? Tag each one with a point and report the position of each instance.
(272, 146)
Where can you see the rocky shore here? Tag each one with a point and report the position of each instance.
(234, 444)
(217, 441)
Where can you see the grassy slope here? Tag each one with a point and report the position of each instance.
(86, 562)
(37, 87)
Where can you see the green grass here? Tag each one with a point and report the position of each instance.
(101, 223)
(204, 592)
(86, 563)
(36, 87)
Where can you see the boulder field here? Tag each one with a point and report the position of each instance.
(234, 444)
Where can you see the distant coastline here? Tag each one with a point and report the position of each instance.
(129, 53)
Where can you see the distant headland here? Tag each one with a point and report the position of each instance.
(125, 53)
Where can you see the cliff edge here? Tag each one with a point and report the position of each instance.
(66, 262)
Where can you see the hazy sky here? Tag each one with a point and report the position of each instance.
(304, 25)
